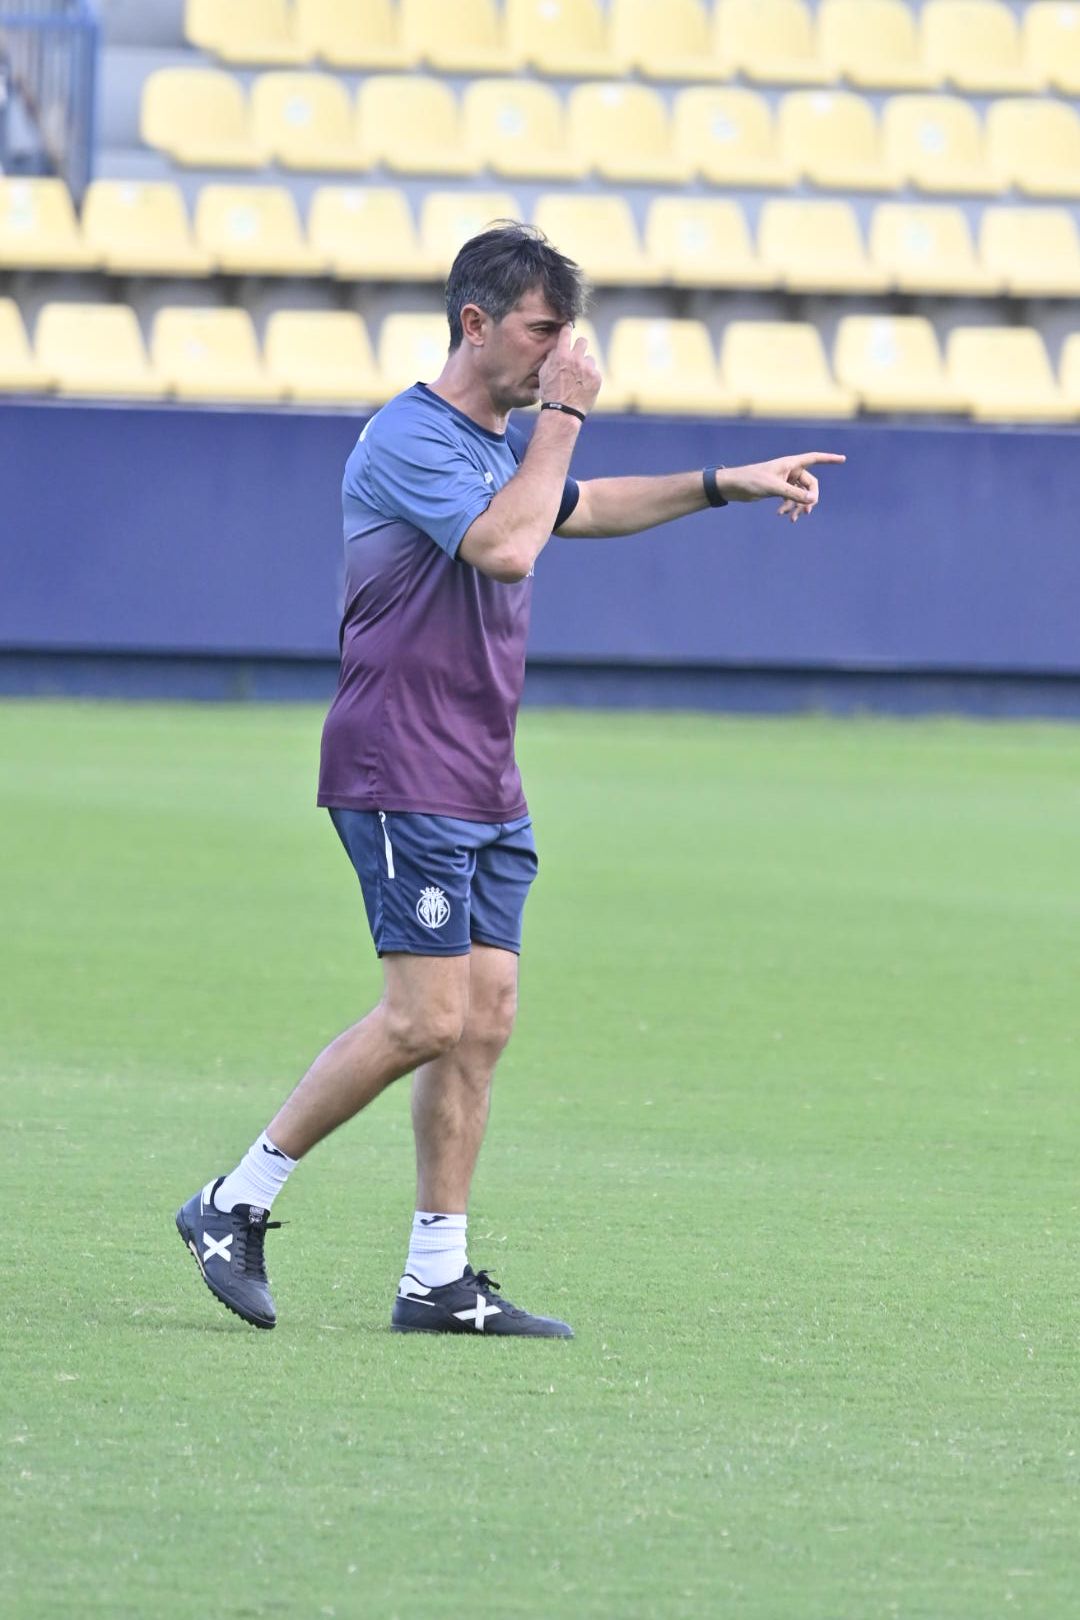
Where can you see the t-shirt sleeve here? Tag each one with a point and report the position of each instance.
(415, 472)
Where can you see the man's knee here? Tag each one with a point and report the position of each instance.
(491, 1020)
(425, 1032)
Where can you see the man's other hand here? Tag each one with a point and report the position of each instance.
(787, 478)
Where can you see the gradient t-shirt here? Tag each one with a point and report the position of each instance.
(432, 650)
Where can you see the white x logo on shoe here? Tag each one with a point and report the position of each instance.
(217, 1250)
(478, 1316)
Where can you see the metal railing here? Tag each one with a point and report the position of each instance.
(48, 82)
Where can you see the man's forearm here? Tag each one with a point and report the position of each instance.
(505, 540)
(626, 505)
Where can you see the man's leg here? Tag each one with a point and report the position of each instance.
(420, 1018)
(451, 1096)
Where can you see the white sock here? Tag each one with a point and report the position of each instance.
(257, 1179)
(436, 1248)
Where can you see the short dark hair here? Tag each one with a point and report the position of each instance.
(497, 268)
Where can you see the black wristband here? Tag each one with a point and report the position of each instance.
(712, 489)
(557, 405)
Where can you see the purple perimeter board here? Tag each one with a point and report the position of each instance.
(181, 530)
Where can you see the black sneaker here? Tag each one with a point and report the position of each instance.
(228, 1250)
(467, 1306)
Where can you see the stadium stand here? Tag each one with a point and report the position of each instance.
(321, 357)
(668, 366)
(873, 44)
(1035, 146)
(728, 138)
(245, 31)
(366, 233)
(306, 121)
(703, 242)
(975, 45)
(780, 369)
(1070, 373)
(411, 122)
(725, 162)
(210, 354)
(95, 349)
(141, 229)
(253, 231)
(817, 246)
(20, 371)
(1004, 374)
(832, 138)
(770, 41)
(1051, 34)
(411, 347)
(199, 117)
(516, 127)
(623, 133)
(562, 38)
(671, 41)
(351, 34)
(894, 363)
(466, 37)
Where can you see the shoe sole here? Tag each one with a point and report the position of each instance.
(458, 1333)
(192, 1248)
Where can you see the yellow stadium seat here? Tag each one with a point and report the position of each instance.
(199, 116)
(1034, 144)
(770, 41)
(599, 233)
(366, 233)
(1051, 42)
(39, 229)
(1004, 374)
(141, 228)
(703, 242)
(928, 250)
(817, 247)
(566, 38)
(247, 31)
(780, 369)
(254, 230)
(727, 137)
(873, 44)
(516, 127)
(612, 395)
(412, 124)
(95, 349)
(412, 348)
(623, 133)
(893, 363)
(352, 33)
(832, 138)
(20, 372)
(1035, 252)
(975, 44)
(465, 37)
(449, 218)
(1070, 372)
(305, 121)
(936, 143)
(669, 41)
(669, 366)
(210, 354)
(321, 356)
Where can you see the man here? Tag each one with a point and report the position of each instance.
(445, 514)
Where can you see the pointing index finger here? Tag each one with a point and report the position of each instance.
(813, 457)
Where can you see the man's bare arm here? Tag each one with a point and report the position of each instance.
(613, 506)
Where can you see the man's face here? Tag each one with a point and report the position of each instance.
(516, 347)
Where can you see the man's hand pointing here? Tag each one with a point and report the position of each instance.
(787, 478)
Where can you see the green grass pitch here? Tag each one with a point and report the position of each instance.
(789, 1131)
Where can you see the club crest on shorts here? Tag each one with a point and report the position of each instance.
(432, 908)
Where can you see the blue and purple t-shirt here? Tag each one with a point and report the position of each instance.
(432, 650)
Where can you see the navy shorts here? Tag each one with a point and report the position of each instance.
(434, 885)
